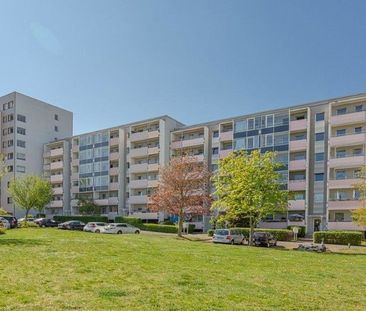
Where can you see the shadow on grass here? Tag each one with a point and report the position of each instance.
(22, 242)
(348, 254)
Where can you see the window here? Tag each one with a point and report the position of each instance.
(20, 169)
(9, 156)
(299, 196)
(56, 128)
(214, 167)
(356, 195)
(215, 134)
(340, 174)
(250, 143)
(240, 126)
(269, 120)
(20, 156)
(269, 140)
(319, 176)
(21, 130)
(21, 118)
(250, 124)
(318, 197)
(358, 129)
(257, 122)
(215, 150)
(341, 132)
(341, 153)
(10, 200)
(10, 143)
(239, 143)
(281, 119)
(299, 156)
(10, 168)
(319, 116)
(56, 117)
(21, 143)
(319, 156)
(341, 111)
(319, 136)
(339, 216)
(280, 139)
(10, 117)
(357, 152)
(358, 108)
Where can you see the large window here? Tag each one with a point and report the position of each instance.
(101, 152)
(281, 119)
(319, 156)
(21, 143)
(21, 118)
(281, 138)
(239, 143)
(86, 140)
(102, 166)
(101, 181)
(319, 136)
(21, 130)
(240, 126)
(86, 154)
(319, 116)
(319, 176)
(101, 137)
(86, 168)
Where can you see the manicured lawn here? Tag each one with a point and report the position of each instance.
(50, 269)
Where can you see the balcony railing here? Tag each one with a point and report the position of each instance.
(347, 140)
(343, 183)
(298, 145)
(348, 118)
(347, 161)
(144, 135)
(350, 204)
(296, 165)
(297, 185)
(298, 125)
(187, 143)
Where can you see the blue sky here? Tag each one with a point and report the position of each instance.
(112, 62)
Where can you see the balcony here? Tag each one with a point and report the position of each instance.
(57, 152)
(300, 223)
(114, 156)
(144, 135)
(56, 178)
(298, 125)
(114, 186)
(344, 205)
(225, 136)
(143, 151)
(75, 162)
(138, 168)
(297, 165)
(296, 205)
(347, 140)
(138, 199)
(348, 118)
(114, 141)
(146, 216)
(113, 171)
(56, 204)
(188, 143)
(225, 153)
(138, 184)
(101, 201)
(113, 201)
(58, 190)
(344, 225)
(75, 189)
(74, 176)
(350, 161)
(343, 183)
(297, 185)
(75, 148)
(56, 165)
(273, 224)
(298, 145)
(153, 150)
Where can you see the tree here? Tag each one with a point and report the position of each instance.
(3, 212)
(183, 189)
(30, 192)
(247, 186)
(359, 214)
(88, 207)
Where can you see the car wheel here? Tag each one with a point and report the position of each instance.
(232, 242)
(43, 226)
(119, 232)
(137, 232)
(97, 231)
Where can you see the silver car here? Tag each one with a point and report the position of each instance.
(95, 227)
(228, 236)
(4, 223)
(121, 228)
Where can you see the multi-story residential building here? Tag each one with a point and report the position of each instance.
(26, 125)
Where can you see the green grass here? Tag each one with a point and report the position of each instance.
(49, 269)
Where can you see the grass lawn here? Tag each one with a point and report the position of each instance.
(49, 269)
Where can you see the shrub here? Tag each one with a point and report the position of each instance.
(2, 230)
(210, 232)
(338, 237)
(301, 233)
(27, 224)
(84, 219)
(130, 220)
(279, 234)
(160, 228)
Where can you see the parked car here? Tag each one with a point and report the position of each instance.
(319, 248)
(228, 236)
(119, 228)
(264, 239)
(95, 227)
(4, 223)
(44, 222)
(13, 221)
(30, 219)
(72, 225)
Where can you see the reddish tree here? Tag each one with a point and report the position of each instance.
(183, 189)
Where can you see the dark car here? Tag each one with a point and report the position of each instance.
(264, 239)
(47, 223)
(13, 221)
(72, 225)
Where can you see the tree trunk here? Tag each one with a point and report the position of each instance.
(26, 215)
(180, 224)
(251, 230)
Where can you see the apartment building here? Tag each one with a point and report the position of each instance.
(26, 125)
(321, 146)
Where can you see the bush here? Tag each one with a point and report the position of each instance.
(338, 237)
(84, 219)
(2, 230)
(279, 234)
(130, 220)
(160, 228)
(210, 232)
(301, 233)
(27, 224)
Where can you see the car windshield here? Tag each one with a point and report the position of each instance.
(260, 234)
(100, 224)
(222, 232)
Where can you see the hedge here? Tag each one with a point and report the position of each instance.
(301, 233)
(2, 230)
(338, 237)
(130, 220)
(28, 224)
(160, 228)
(84, 219)
(210, 232)
(279, 234)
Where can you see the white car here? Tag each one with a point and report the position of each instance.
(228, 236)
(121, 228)
(4, 223)
(30, 219)
(95, 227)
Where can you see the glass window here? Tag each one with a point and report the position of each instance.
(269, 140)
(339, 216)
(20, 169)
(319, 116)
(341, 111)
(102, 166)
(101, 181)
(101, 152)
(318, 197)
(358, 129)
(280, 139)
(86, 182)
(358, 108)
(21, 143)
(319, 176)
(250, 124)
(356, 195)
(357, 152)
(269, 120)
(341, 153)
(299, 156)
(101, 137)
(281, 119)
(86, 168)
(86, 140)
(340, 174)
(250, 142)
(56, 117)
(240, 126)
(20, 156)
(215, 134)
(258, 122)
(215, 150)
(299, 196)
(239, 143)
(21, 130)
(341, 132)
(21, 118)
(319, 156)
(319, 136)
(282, 157)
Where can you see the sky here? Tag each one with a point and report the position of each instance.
(112, 62)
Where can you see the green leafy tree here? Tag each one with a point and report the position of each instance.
(3, 212)
(88, 207)
(247, 186)
(359, 214)
(30, 192)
